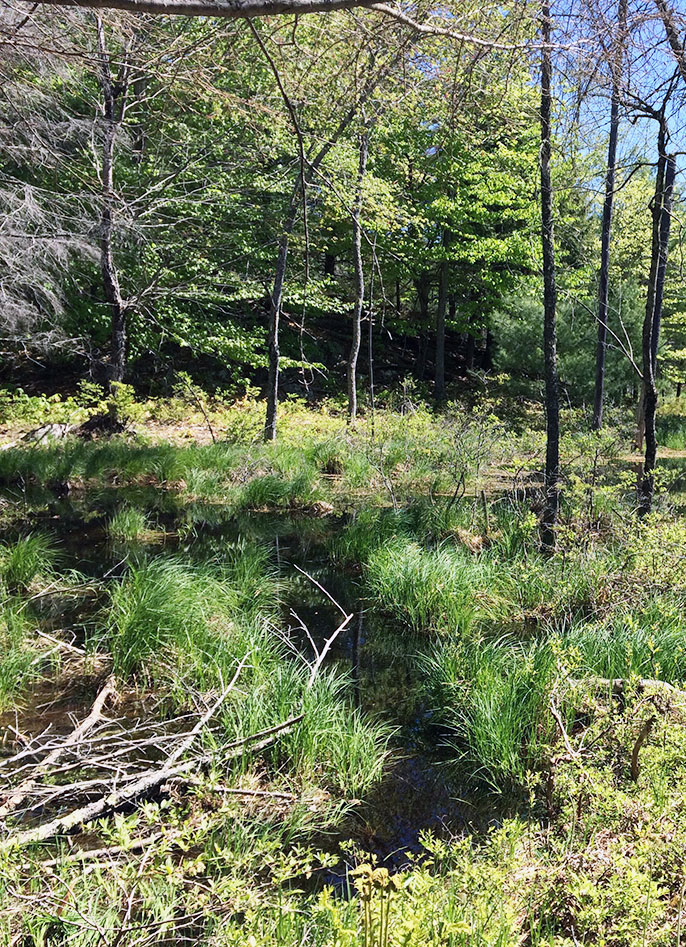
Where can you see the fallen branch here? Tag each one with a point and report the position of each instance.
(61, 645)
(146, 782)
(71, 740)
(618, 686)
(279, 728)
(325, 650)
(563, 730)
(92, 854)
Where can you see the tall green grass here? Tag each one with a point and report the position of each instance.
(447, 587)
(492, 700)
(127, 525)
(423, 589)
(491, 696)
(649, 643)
(25, 560)
(274, 491)
(166, 604)
(18, 655)
(186, 627)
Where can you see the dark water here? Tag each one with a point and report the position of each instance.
(379, 661)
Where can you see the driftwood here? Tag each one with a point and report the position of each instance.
(132, 786)
(61, 645)
(21, 792)
(114, 768)
(133, 789)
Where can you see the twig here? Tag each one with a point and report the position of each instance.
(563, 730)
(74, 737)
(127, 793)
(322, 589)
(89, 854)
(63, 645)
(327, 645)
(642, 737)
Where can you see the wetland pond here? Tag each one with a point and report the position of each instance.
(379, 661)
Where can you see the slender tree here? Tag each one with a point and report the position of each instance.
(309, 167)
(359, 280)
(439, 383)
(114, 101)
(552, 388)
(604, 276)
(662, 213)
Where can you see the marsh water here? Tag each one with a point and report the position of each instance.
(378, 660)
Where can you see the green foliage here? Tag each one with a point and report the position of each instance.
(27, 559)
(492, 698)
(511, 668)
(18, 656)
(19, 407)
(166, 610)
(127, 525)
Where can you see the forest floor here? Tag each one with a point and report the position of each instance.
(328, 691)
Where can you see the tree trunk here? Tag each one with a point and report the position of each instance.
(439, 367)
(604, 276)
(651, 339)
(423, 287)
(114, 102)
(359, 282)
(329, 264)
(652, 278)
(275, 304)
(370, 346)
(470, 349)
(552, 387)
(488, 351)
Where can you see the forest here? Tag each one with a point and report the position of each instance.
(342, 473)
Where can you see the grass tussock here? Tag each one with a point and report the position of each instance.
(26, 560)
(127, 525)
(18, 655)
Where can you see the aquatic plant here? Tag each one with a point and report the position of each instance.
(127, 525)
(166, 603)
(18, 655)
(21, 562)
(492, 700)
(442, 588)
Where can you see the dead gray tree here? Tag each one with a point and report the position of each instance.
(114, 103)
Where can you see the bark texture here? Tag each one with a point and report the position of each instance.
(228, 9)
